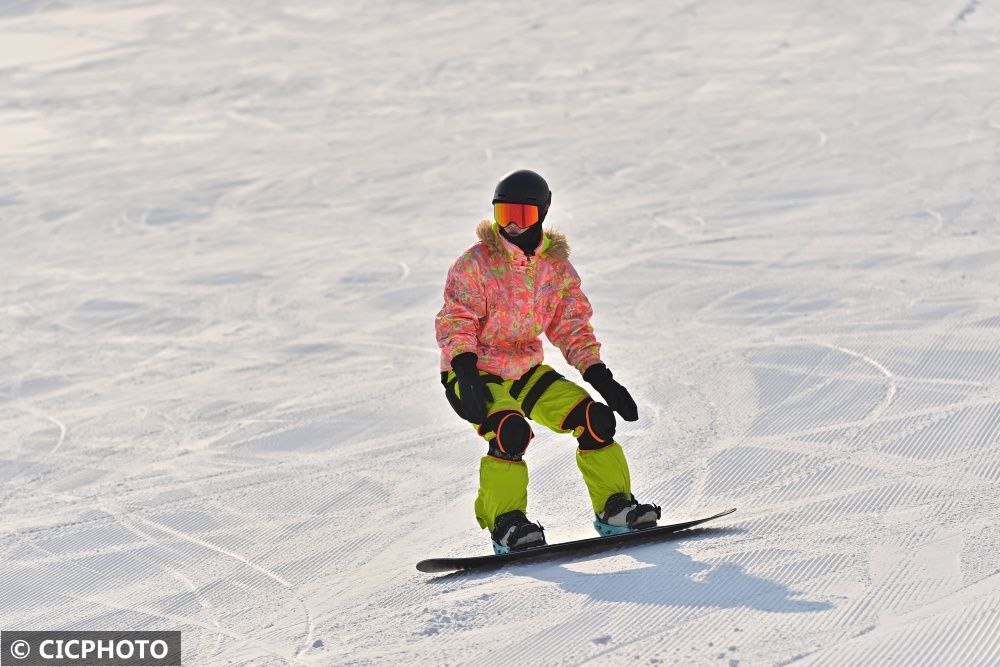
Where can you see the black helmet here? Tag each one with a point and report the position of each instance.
(524, 187)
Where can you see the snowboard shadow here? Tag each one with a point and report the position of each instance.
(662, 576)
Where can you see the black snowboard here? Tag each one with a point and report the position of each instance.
(435, 565)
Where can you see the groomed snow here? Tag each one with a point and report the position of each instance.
(224, 230)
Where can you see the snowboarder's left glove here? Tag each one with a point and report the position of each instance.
(615, 395)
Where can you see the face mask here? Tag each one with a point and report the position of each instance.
(527, 240)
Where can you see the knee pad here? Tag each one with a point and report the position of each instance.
(511, 434)
(593, 424)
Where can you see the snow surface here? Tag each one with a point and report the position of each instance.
(224, 230)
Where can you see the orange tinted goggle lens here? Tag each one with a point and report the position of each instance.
(522, 215)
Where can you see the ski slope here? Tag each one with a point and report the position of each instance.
(224, 232)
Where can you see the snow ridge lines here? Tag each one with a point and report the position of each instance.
(890, 390)
(246, 561)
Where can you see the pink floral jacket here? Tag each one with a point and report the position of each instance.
(497, 302)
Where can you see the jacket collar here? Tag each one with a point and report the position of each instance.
(552, 246)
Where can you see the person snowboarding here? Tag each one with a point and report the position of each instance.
(500, 295)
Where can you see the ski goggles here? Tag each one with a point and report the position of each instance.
(522, 215)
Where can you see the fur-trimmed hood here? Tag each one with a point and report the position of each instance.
(554, 243)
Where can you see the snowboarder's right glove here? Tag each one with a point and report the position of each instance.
(471, 387)
(615, 395)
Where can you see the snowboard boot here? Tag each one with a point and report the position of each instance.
(623, 514)
(513, 532)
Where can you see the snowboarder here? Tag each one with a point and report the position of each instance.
(500, 295)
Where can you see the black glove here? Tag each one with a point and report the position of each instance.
(615, 395)
(471, 387)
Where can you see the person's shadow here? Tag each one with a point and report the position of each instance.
(665, 576)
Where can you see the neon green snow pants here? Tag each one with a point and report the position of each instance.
(503, 484)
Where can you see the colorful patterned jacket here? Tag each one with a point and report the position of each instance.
(497, 301)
